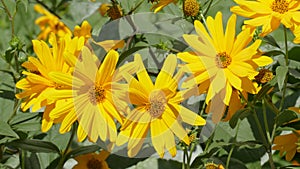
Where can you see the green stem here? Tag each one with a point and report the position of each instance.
(286, 56)
(186, 154)
(265, 143)
(265, 120)
(233, 146)
(63, 155)
(133, 9)
(23, 154)
(229, 156)
(209, 5)
(10, 17)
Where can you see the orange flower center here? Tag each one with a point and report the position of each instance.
(94, 164)
(96, 94)
(223, 60)
(157, 102)
(280, 6)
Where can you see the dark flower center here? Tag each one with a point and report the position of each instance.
(280, 6)
(223, 60)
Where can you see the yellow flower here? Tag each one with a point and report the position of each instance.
(92, 161)
(221, 62)
(161, 4)
(268, 13)
(287, 143)
(83, 31)
(50, 23)
(114, 11)
(37, 86)
(156, 110)
(94, 95)
(296, 32)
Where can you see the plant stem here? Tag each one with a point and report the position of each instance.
(286, 56)
(229, 156)
(10, 17)
(233, 146)
(265, 120)
(63, 155)
(209, 5)
(266, 144)
(186, 154)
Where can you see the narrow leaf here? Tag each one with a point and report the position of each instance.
(6, 130)
(286, 116)
(35, 146)
(240, 114)
(281, 72)
(83, 150)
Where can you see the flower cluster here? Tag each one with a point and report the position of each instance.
(105, 91)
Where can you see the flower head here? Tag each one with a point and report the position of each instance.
(37, 86)
(94, 95)
(287, 143)
(220, 61)
(156, 110)
(268, 13)
(50, 23)
(92, 161)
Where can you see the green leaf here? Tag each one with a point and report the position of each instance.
(294, 53)
(127, 53)
(32, 161)
(270, 40)
(294, 73)
(281, 73)
(35, 146)
(82, 10)
(286, 116)
(6, 130)
(240, 114)
(274, 53)
(263, 91)
(83, 150)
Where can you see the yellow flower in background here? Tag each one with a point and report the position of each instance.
(296, 32)
(220, 61)
(268, 13)
(50, 23)
(161, 4)
(95, 91)
(114, 10)
(92, 161)
(83, 31)
(37, 86)
(287, 143)
(157, 109)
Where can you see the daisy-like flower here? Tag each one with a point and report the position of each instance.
(161, 4)
(94, 99)
(221, 62)
(50, 23)
(268, 13)
(92, 161)
(37, 86)
(157, 109)
(287, 143)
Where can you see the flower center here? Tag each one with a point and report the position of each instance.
(94, 164)
(191, 7)
(223, 60)
(280, 6)
(157, 102)
(96, 94)
(264, 76)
